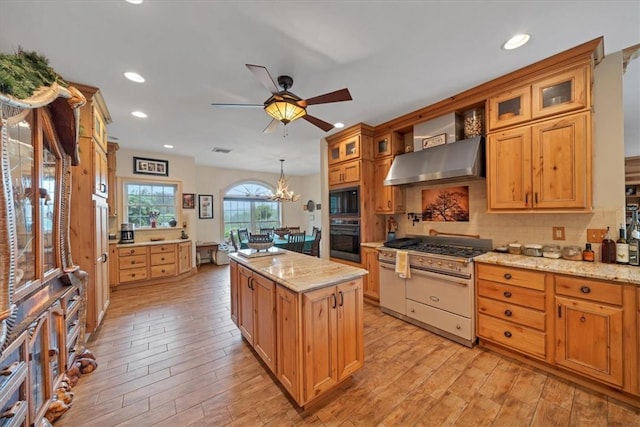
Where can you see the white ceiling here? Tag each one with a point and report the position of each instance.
(394, 56)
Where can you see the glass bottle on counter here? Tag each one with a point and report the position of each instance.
(608, 249)
(588, 254)
(633, 235)
(622, 247)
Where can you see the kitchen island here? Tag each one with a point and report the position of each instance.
(302, 315)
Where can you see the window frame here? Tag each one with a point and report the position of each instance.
(123, 197)
(252, 199)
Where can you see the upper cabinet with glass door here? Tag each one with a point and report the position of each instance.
(558, 93)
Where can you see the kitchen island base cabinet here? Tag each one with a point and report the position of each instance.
(333, 342)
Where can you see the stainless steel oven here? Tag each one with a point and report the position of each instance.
(344, 239)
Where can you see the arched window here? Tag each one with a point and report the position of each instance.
(246, 205)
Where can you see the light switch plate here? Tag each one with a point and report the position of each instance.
(558, 233)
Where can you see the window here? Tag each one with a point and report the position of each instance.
(246, 206)
(147, 201)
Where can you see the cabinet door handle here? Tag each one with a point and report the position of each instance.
(583, 319)
(507, 294)
(526, 198)
(341, 298)
(334, 301)
(508, 313)
(585, 289)
(536, 197)
(507, 276)
(507, 334)
(388, 203)
(103, 188)
(559, 311)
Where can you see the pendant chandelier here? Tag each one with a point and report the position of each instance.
(282, 193)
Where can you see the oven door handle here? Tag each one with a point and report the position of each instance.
(387, 266)
(444, 277)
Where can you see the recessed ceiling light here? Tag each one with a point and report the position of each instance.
(134, 77)
(338, 125)
(168, 146)
(135, 1)
(516, 41)
(139, 114)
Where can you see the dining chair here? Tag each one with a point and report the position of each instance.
(294, 229)
(315, 244)
(315, 230)
(268, 231)
(233, 241)
(295, 242)
(243, 234)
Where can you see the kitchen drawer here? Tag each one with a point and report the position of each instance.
(512, 313)
(159, 249)
(124, 252)
(163, 270)
(443, 320)
(512, 335)
(450, 295)
(592, 290)
(512, 276)
(511, 294)
(133, 274)
(134, 261)
(161, 259)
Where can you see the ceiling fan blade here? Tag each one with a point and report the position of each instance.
(264, 77)
(337, 96)
(271, 126)
(216, 104)
(320, 123)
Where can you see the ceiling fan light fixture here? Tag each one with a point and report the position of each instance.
(284, 109)
(283, 194)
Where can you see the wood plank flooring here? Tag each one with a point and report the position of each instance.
(170, 356)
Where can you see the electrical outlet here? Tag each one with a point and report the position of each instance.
(595, 235)
(558, 233)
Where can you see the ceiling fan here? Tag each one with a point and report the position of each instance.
(285, 106)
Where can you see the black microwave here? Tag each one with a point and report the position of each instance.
(345, 201)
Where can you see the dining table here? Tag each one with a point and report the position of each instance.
(282, 243)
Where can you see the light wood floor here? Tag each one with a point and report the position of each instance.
(170, 356)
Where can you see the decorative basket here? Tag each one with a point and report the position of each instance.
(281, 232)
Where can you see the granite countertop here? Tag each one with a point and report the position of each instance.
(300, 272)
(148, 242)
(597, 270)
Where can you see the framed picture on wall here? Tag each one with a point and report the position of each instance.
(205, 206)
(188, 201)
(150, 166)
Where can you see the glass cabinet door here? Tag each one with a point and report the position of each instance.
(566, 91)
(22, 166)
(48, 205)
(510, 108)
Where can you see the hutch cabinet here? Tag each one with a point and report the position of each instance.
(90, 231)
(112, 196)
(40, 286)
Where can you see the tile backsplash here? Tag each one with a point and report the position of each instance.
(506, 228)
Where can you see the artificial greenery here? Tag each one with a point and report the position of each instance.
(23, 73)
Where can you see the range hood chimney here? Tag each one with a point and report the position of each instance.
(453, 162)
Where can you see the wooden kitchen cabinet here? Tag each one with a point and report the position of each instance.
(561, 93)
(112, 196)
(90, 230)
(345, 173)
(233, 271)
(389, 144)
(509, 108)
(589, 328)
(288, 346)
(544, 166)
(256, 317)
(333, 347)
(163, 261)
(388, 199)
(346, 149)
(511, 309)
(184, 257)
(371, 289)
(133, 264)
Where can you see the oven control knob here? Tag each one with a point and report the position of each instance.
(430, 262)
(451, 265)
(439, 263)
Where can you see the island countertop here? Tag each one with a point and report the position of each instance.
(597, 270)
(299, 272)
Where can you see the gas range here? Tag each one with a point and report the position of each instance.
(446, 255)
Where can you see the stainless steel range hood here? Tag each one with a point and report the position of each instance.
(456, 161)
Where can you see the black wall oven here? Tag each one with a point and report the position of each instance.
(345, 202)
(344, 239)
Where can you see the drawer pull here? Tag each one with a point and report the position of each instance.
(507, 276)
(434, 298)
(133, 262)
(508, 313)
(162, 259)
(507, 334)
(507, 294)
(583, 319)
(132, 251)
(458, 327)
(585, 289)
